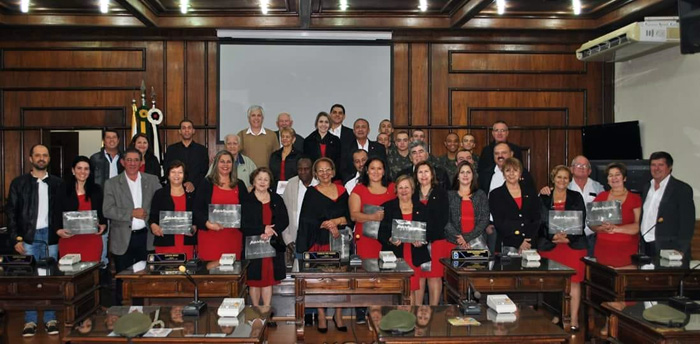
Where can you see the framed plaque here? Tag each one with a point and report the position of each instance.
(478, 243)
(341, 244)
(281, 186)
(370, 229)
(408, 231)
(256, 247)
(567, 221)
(81, 222)
(176, 222)
(608, 211)
(227, 215)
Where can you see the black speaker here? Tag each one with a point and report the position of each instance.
(689, 16)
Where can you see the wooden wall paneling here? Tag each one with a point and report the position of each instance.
(515, 62)
(174, 66)
(439, 95)
(212, 105)
(74, 59)
(401, 85)
(419, 81)
(195, 93)
(75, 117)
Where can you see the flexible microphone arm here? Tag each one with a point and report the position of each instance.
(195, 307)
(681, 302)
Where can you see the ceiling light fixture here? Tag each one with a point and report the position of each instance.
(577, 6)
(343, 5)
(264, 6)
(24, 6)
(104, 6)
(501, 4)
(184, 6)
(423, 5)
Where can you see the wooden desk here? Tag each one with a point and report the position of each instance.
(432, 326)
(75, 293)
(202, 329)
(318, 285)
(496, 277)
(166, 281)
(652, 282)
(628, 326)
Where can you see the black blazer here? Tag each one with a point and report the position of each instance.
(152, 165)
(677, 210)
(162, 201)
(438, 213)
(574, 201)
(347, 168)
(68, 201)
(252, 224)
(486, 157)
(298, 143)
(202, 199)
(347, 136)
(290, 165)
(315, 209)
(392, 211)
(512, 224)
(312, 147)
(442, 177)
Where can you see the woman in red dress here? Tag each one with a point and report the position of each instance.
(323, 212)
(81, 193)
(406, 207)
(264, 214)
(373, 189)
(615, 244)
(172, 197)
(429, 192)
(221, 186)
(560, 247)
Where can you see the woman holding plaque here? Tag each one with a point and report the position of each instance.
(429, 192)
(615, 244)
(283, 162)
(221, 186)
(324, 212)
(469, 208)
(560, 247)
(81, 194)
(172, 197)
(149, 163)
(264, 214)
(515, 209)
(322, 144)
(406, 207)
(374, 189)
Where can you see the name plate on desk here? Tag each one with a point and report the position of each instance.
(81, 222)
(176, 222)
(408, 231)
(17, 270)
(16, 259)
(599, 212)
(227, 215)
(167, 258)
(327, 256)
(470, 254)
(470, 265)
(567, 221)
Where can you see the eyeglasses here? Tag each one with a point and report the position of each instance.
(500, 130)
(581, 166)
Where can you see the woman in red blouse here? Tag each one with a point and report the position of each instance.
(81, 193)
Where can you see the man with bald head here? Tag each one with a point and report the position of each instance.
(499, 132)
(33, 218)
(587, 187)
(284, 120)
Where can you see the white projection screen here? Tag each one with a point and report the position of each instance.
(303, 80)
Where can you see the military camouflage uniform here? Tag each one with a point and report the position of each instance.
(396, 162)
(449, 165)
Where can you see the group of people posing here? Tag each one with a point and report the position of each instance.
(303, 191)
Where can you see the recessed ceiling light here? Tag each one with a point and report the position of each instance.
(577, 6)
(343, 5)
(184, 6)
(24, 6)
(501, 4)
(423, 5)
(264, 6)
(104, 6)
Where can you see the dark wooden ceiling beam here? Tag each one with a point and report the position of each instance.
(304, 14)
(229, 22)
(529, 23)
(139, 10)
(632, 11)
(467, 11)
(72, 20)
(380, 22)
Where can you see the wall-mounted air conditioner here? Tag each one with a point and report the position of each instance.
(632, 41)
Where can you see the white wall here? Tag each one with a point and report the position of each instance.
(662, 91)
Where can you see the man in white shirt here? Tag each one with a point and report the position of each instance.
(588, 188)
(293, 197)
(668, 212)
(359, 158)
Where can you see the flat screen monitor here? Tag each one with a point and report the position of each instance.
(638, 173)
(615, 141)
(689, 16)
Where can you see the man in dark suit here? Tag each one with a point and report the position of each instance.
(337, 115)
(668, 213)
(362, 141)
(419, 153)
(499, 132)
(284, 120)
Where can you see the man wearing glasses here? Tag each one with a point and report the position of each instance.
(499, 132)
(587, 187)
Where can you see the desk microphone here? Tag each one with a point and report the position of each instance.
(643, 258)
(683, 303)
(355, 259)
(195, 263)
(195, 307)
(47, 260)
(469, 306)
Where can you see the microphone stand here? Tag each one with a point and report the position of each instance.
(195, 307)
(683, 303)
(469, 306)
(195, 263)
(47, 260)
(643, 258)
